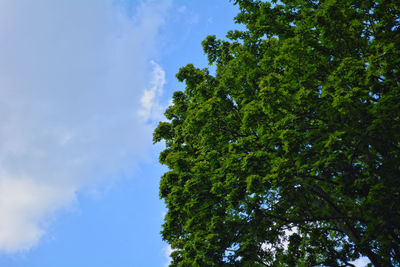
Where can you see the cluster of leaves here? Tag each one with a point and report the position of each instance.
(290, 154)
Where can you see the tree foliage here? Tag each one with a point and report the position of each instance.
(289, 155)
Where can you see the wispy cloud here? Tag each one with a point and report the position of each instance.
(167, 253)
(151, 109)
(72, 74)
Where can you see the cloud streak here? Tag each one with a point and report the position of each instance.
(151, 109)
(72, 74)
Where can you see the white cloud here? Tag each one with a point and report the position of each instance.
(71, 77)
(24, 203)
(167, 253)
(151, 108)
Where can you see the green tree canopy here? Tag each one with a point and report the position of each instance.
(289, 155)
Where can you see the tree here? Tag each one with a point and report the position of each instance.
(289, 155)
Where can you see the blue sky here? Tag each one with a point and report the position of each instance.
(82, 86)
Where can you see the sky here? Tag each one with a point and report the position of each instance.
(82, 86)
